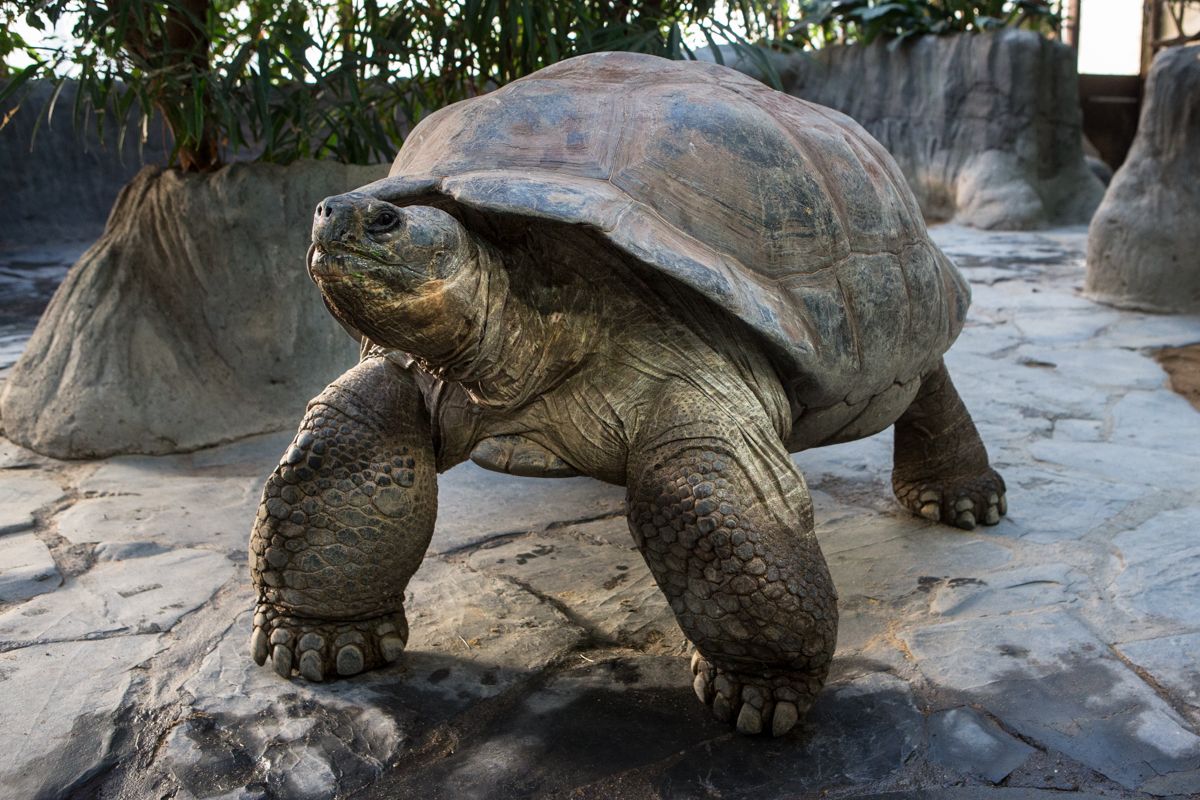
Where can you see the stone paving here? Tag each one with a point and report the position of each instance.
(1056, 653)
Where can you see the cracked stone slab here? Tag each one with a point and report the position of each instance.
(1121, 463)
(60, 704)
(244, 725)
(985, 381)
(907, 554)
(12, 455)
(484, 621)
(473, 638)
(601, 717)
(594, 571)
(1048, 677)
(119, 598)
(1116, 368)
(963, 740)
(1158, 569)
(1048, 505)
(486, 503)
(213, 513)
(1172, 661)
(21, 494)
(858, 732)
(1023, 588)
(1159, 420)
(26, 568)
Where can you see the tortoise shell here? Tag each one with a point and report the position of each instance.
(786, 214)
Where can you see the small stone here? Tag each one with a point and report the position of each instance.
(26, 568)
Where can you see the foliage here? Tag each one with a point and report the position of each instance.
(345, 79)
(322, 78)
(822, 22)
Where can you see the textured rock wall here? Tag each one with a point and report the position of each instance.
(191, 321)
(986, 127)
(62, 183)
(1144, 242)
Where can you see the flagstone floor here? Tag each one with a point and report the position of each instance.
(1055, 654)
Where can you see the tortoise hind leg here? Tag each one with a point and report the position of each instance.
(725, 524)
(344, 523)
(941, 468)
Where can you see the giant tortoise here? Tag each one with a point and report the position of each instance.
(661, 274)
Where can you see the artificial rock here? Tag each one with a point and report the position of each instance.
(190, 322)
(986, 127)
(1144, 243)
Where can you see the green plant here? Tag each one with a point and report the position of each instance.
(822, 22)
(310, 78)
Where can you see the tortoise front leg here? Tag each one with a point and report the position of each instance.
(344, 523)
(940, 469)
(725, 523)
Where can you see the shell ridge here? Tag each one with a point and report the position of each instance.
(851, 319)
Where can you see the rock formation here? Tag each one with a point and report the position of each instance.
(191, 321)
(1144, 242)
(986, 127)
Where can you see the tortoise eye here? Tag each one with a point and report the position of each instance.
(385, 221)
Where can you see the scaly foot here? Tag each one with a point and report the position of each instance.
(960, 501)
(323, 649)
(771, 701)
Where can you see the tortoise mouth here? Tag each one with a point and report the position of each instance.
(337, 261)
(327, 265)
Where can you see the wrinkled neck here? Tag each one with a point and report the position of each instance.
(489, 338)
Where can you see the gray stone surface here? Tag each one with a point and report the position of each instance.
(22, 494)
(986, 127)
(1144, 244)
(962, 740)
(26, 568)
(1052, 656)
(192, 320)
(1174, 662)
(138, 594)
(62, 706)
(529, 504)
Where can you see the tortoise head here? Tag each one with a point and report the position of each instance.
(394, 273)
